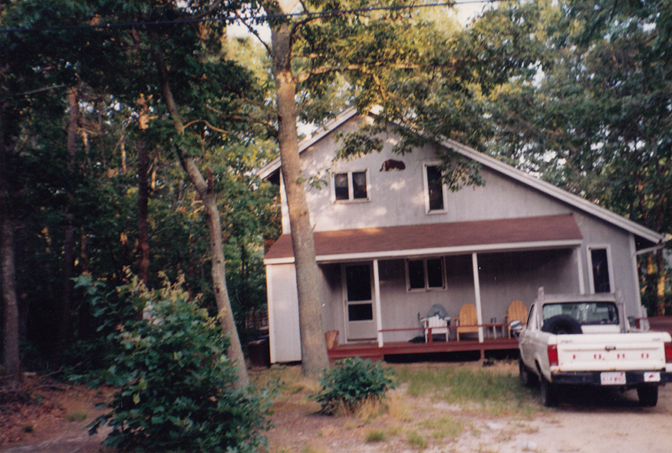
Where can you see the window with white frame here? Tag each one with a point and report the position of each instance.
(351, 186)
(600, 265)
(425, 274)
(434, 189)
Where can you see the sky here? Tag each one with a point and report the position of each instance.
(465, 12)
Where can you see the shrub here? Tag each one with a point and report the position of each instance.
(351, 382)
(175, 385)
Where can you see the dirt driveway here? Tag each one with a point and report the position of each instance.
(587, 422)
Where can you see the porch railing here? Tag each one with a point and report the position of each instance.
(503, 326)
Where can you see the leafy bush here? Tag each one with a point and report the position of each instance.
(175, 383)
(351, 382)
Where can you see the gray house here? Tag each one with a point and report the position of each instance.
(392, 243)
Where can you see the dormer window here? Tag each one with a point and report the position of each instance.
(351, 186)
(434, 189)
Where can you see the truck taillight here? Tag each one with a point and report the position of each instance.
(553, 354)
(668, 352)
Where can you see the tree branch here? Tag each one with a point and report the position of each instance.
(208, 10)
(255, 33)
(216, 129)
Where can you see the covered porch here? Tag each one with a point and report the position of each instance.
(372, 350)
(378, 284)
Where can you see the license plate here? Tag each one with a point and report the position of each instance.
(652, 376)
(613, 378)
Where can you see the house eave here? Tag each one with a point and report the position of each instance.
(416, 253)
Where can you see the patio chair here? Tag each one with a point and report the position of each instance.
(468, 318)
(438, 325)
(517, 312)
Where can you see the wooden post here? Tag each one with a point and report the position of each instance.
(477, 292)
(376, 302)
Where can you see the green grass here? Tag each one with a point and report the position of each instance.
(416, 440)
(376, 435)
(443, 427)
(494, 391)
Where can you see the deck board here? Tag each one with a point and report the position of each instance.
(371, 350)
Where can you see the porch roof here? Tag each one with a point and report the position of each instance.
(438, 238)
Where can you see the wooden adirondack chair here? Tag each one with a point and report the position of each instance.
(517, 312)
(468, 318)
(438, 325)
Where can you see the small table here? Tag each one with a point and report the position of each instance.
(494, 326)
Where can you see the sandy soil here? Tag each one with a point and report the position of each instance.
(586, 422)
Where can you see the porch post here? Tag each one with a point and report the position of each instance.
(579, 260)
(477, 293)
(376, 303)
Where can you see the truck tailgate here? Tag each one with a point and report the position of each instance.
(613, 352)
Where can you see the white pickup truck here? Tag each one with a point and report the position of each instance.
(587, 340)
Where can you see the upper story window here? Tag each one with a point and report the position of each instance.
(434, 189)
(425, 274)
(601, 272)
(351, 186)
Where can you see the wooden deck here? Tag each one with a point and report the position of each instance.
(371, 350)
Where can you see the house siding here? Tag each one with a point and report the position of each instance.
(397, 198)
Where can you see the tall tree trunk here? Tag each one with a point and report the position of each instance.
(314, 357)
(206, 193)
(224, 311)
(143, 195)
(12, 360)
(68, 235)
(11, 308)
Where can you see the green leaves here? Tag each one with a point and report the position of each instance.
(175, 385)
(352, 381)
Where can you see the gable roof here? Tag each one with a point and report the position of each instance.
(499, 167)
(528, 233)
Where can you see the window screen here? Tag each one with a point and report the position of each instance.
(358, 282)
(600, 270)
(359, 185)
(341, 186)
(435, 273)
(416, 274)
(434, 188)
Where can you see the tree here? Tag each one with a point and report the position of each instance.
(12, 361)
(598, 121)
(118, 68)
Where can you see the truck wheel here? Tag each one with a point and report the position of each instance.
(527, 377)
(549, 393)
(562, 325)
(648, 395)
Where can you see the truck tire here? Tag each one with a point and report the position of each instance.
(549, 393)
(526, 376)
(648, 395)
(562, 325)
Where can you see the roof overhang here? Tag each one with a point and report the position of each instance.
(531, 233)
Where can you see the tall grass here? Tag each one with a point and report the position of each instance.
(496, 391)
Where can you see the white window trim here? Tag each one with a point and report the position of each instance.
(444, 278)
(610, 266)
(350, 187)
(426, 190)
